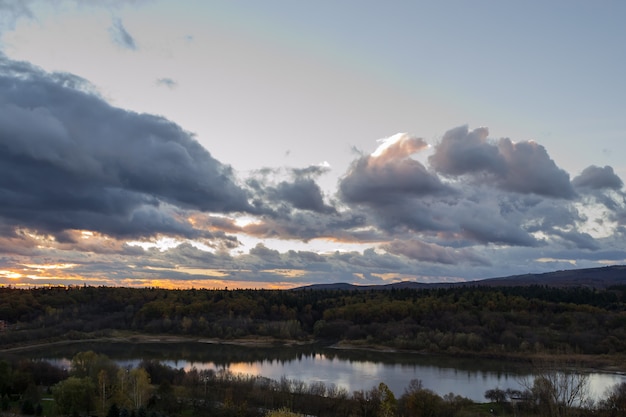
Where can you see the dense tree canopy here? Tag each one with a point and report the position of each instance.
(527, 322)
(472, 319)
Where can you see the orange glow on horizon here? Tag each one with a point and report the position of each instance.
(49, 266)
(10, 274)
(16, 279)
(209, 284)
(287, 273)
(72, 274)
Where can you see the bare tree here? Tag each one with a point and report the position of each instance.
(558, 393)
(615, 402)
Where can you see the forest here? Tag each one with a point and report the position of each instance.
(526, 323)
(473, 320)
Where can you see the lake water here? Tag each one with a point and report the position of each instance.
(349, 369)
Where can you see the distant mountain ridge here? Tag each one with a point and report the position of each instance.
(602, 277)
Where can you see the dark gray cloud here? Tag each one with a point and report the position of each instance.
(576, 239)
(494, 195)
(461, 152)
(430, 252)
(379, 179)
(596, 178)
(305, 226)
(531, 170)
(523, 167)
(69, 160)
(269, 256)
(294, 207)
(481, 226)
(401, 196)
(120, 35)
(303, 194)
(312, 171)
(406, 215)
(601, 186)
(271, 265)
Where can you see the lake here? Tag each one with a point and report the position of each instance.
(350, 369)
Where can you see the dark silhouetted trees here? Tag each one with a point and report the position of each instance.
(471, 320)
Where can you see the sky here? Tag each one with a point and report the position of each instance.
(277, 144)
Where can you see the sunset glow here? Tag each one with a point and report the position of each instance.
(272, 145)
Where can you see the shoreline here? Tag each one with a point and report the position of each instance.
(145, 338)
(602, 363)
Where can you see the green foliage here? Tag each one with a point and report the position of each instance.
(388, 404)
(74, 395)
(471, 319)
(422, 403)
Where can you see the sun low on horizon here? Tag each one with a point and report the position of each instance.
(184, 144)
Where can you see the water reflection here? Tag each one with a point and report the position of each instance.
(351, 370)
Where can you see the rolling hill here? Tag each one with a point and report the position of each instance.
(589, 277)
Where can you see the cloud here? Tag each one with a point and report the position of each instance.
(461, 152)
(299, 191)
(523, 167)
(400, 195)
(430, 252)
(484, 225)
(270, 256)
(294, 267)
(167, 82)
(11, 11)
(303, 194)
(596, 178)
(291, 204)
(389, 173)
(69, 160)
(80, 176)
(489, 192)
(303, 226)
(577, 239)
(120, 35)
(601, 186)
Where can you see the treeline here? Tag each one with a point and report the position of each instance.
(472, 319)
(96, 386)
